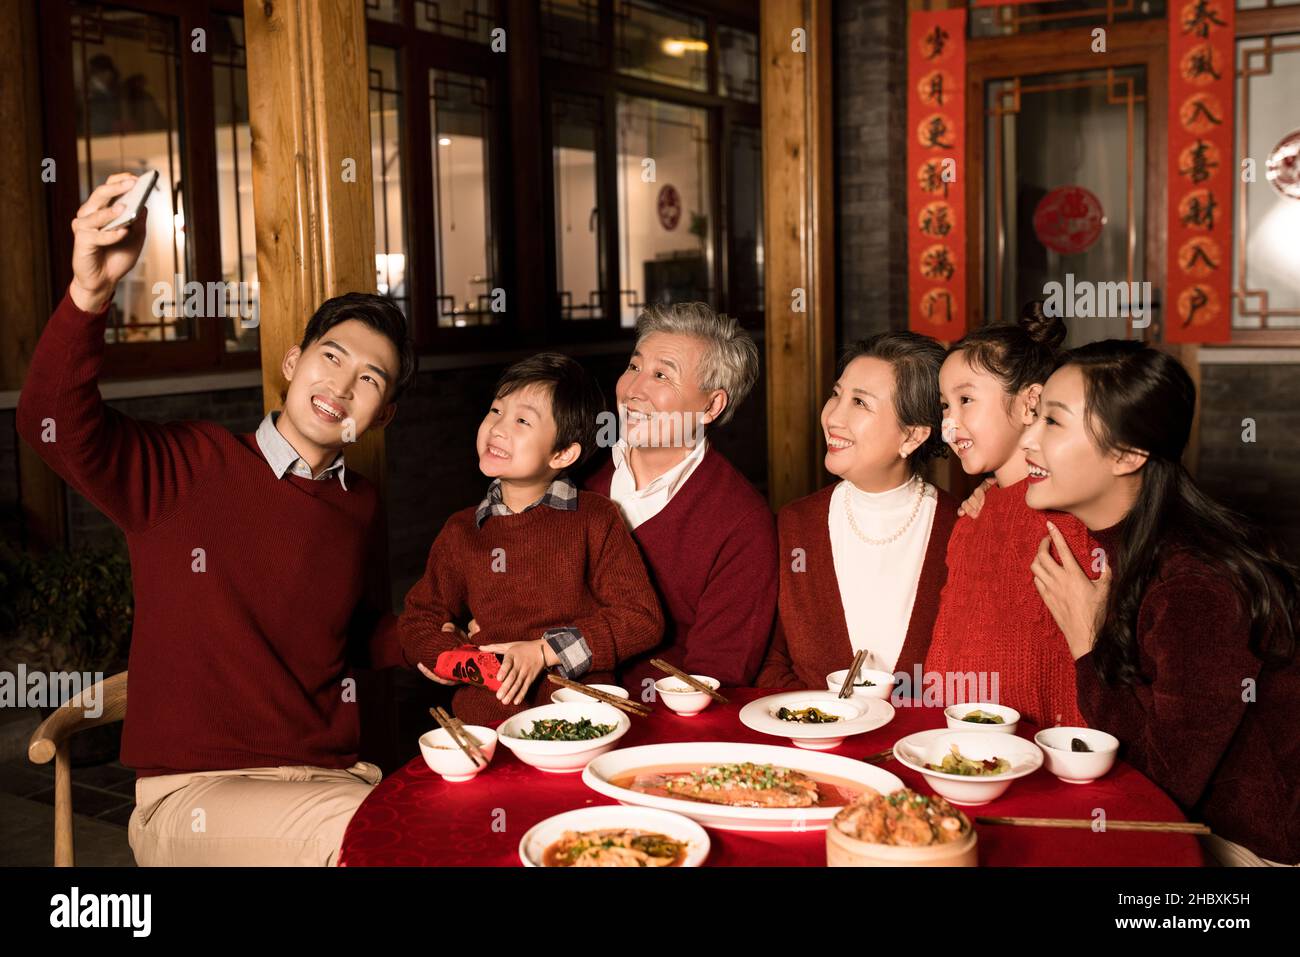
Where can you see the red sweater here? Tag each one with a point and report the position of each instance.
(812, 637)
(712, 557)
(991, 619)
(578, 568)
(241, 664)
(1233, 763)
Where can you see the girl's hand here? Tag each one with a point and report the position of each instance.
(1075, 600)
(975, 504)
(523, 662)
(447, 626)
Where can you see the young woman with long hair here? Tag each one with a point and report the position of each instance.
(1186, 649)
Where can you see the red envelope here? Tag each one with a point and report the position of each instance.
(469, 665)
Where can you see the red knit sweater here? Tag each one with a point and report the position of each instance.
(712, 557)
(991, 619)
(812, 637)
(242, 663)
(519, 575)
(1233, 763)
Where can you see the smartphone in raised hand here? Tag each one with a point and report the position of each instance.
(134, 200)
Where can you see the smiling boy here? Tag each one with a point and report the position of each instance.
(550, 575)
(248, 556)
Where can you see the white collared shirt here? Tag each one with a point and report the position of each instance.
(284, 458)
(641, 505)
(878, 583)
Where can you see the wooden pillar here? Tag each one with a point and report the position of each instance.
(799, 238)
(24, 267)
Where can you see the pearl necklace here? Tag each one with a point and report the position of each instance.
(916, 509)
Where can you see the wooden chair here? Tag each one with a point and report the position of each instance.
(52, 741)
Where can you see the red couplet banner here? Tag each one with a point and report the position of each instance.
(936, 196)
(1202, 171)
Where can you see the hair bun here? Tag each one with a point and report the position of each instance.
(1046, 330)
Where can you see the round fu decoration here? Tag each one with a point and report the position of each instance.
(1068, 219)
(1283, 168)
(670, 207)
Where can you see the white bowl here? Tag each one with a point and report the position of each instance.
(1077, 767)
(956, 713)
(532, 848)
(445, 757)
(882, 683)
(564, 695)
(929, 747)
(563, 756)
(685, 704)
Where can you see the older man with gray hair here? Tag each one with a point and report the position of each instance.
(707, 535)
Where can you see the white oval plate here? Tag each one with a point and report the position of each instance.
(679, 828)
(860, 715)
(599, 773)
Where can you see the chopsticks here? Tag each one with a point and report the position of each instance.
(1170, 827)
(880, 757)
(683, 676)
(456, 731)
(631, 707)
(859, 658)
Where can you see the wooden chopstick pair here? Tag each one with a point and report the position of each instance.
(859, 659)
(631, 707)
(683, 676)
(880, 757)
(456, 731)
(1169, 827)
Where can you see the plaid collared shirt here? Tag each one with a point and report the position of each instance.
(566, 641)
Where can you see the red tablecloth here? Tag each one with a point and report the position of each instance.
(415, 818)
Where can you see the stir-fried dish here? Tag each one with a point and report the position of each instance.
(562, 729)
(617, 847)
(957, 763)
(984, 717)
(806, 715)
(903, 818)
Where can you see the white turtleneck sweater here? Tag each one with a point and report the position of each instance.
(878, 582)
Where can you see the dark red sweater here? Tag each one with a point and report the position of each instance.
(578, 568)
(711, 553)
(991, 619)
(812, 637)
(1233, 763)
(242, 664)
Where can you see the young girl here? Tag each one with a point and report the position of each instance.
(1185, 651)
(991, 623)
(862, 560)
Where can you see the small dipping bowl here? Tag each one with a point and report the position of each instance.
(445, 757)
(565, 695)
(882, 683)
(683, 700)
(1077, 767)
(956, 714)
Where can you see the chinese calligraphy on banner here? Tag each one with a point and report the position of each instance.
(936, 207)
(1201, 171)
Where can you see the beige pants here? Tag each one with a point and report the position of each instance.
(286, 816)
(1227, 854)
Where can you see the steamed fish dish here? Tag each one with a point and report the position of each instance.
(806, 715)
(617, 847)
(737, 785)
(983, 717)
(903, 819)
(957, 763)
(561, 729)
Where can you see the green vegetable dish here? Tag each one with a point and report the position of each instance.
(562, 729)
(957, 763)
(984, 717)
(806, 716)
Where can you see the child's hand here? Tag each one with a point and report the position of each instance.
(975, 504)
(523, 662)
(447, 626)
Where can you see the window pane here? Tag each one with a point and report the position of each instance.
(665, 238)
(1267, 294)
(659, 44)
(579, 265)
(1018, 16)
(746, 237)
(459, 116)
(466, 19)
(235, 184)
(125, 78)
(386, 171)
(390, 11)
(738, 64)
(571, 30)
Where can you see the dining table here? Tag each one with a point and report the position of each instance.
(414, 818)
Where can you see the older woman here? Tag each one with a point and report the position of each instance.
(706, 533)
(863, 560)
